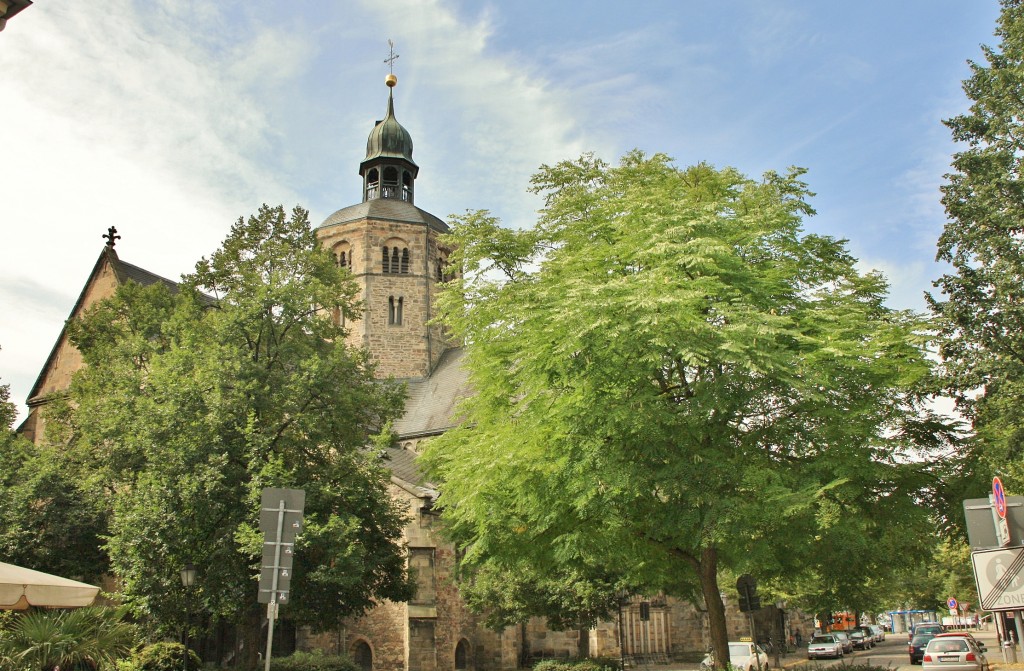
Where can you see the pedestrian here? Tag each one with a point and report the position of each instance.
(799, 638)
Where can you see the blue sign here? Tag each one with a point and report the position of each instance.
(951, 602)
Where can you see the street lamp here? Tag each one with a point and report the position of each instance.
(188, 576)
(188, 579)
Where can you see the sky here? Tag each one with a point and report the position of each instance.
(170, 119)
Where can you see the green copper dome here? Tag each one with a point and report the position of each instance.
(389, 139)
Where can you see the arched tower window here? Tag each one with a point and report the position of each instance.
(406, 186)
(389, 187)
(395, 259)
(395, 308)
(372, 184)
(362, 655)
(343, 253)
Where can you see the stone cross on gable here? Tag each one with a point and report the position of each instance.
(111, 237)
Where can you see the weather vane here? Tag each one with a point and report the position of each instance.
(390, 60)
(111, 237)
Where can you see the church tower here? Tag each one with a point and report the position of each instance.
(392, 249)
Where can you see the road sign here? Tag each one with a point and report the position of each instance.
(999, 578)
(999, 496)
(280, 521)
(747, 588)
(951, 603)
(983, 520)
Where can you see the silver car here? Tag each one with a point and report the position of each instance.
(825, 645)
(949, 652)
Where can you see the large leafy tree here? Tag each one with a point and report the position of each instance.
(982, 305)
(194, 399)
(675, 382)
(48, 520)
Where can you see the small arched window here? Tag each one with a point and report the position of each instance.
(395, 259)
(395, 306)
(390, 185)
(372, 184)
(406, 186)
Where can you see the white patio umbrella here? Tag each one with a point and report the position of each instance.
(22, 587)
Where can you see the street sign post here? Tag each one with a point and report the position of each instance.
(998, 499)
(280, 521)
(983, 522)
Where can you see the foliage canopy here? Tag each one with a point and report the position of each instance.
(669, 373)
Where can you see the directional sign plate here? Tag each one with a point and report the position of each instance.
(981, 529)
(1000, 579)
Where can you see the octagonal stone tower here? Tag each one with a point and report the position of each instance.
(392, 249)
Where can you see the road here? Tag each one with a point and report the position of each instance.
(891, 653)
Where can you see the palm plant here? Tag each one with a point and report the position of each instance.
(84, 638)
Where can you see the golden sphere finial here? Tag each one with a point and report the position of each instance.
(391, 80)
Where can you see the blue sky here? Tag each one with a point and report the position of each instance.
(170, 119)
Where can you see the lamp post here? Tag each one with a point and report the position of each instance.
(188, 579)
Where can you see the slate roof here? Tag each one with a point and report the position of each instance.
(386, 209)
(431, 408)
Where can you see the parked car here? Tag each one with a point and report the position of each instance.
(879, 632)
(825, 645)
(844, 638)
(916, 647)
(925, 627)
(954, 653)
(741, 656)
(859, 639)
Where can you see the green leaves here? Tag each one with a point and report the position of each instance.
(674, 373)
(982, 307)
(189, 406)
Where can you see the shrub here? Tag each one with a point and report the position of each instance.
(312, 661)
(577, 665)
(164, 657)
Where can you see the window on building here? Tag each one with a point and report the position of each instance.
(395, 306)
(407, 187)
(372, 184)
(389, 188)
(395, 260)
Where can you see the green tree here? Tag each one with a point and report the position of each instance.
(48, 521)
(673, 382)
(189, 406)
(983, 304)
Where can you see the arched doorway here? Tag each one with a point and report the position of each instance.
(362, 655)
(462, 655)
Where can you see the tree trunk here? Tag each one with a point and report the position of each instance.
(708, 570)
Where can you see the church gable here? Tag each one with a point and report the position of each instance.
(108, 273)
